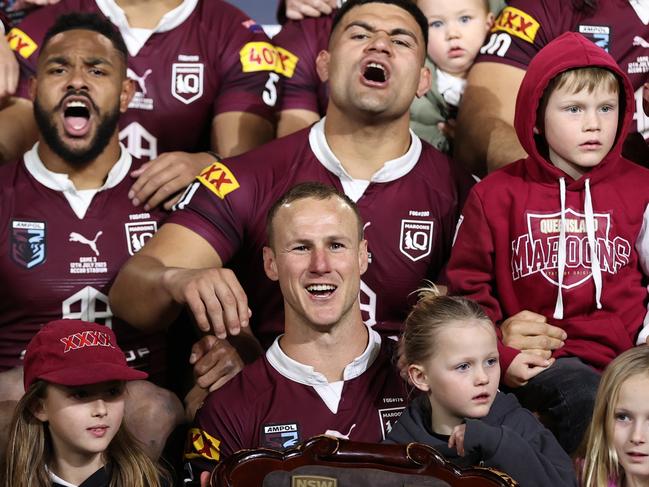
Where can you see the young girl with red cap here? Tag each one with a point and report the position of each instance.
(67, 430)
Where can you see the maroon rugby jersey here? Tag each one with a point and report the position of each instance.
(298, 45)
(55, 265)
(206, 58)
(526, 26)
(262, 407)
(409, 221)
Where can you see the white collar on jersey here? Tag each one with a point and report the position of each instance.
(354, 188)
(134, 42)
(57, 479)
(79, 199)
(641, 8)
(330, 392)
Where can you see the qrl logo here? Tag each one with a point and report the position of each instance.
(187, 81)
(137, 233)
(416, 238)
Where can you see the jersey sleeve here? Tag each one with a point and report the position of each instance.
(298, 46)
(213, 436)
(523, 28)
(216, 206)
(26, 38)
(25, 41)
(245, 63)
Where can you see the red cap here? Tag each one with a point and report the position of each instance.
(76, 353)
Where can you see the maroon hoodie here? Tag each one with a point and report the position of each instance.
(511, 254)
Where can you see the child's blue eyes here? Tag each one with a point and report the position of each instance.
(578, 109)
(437, 24)
(491, 362)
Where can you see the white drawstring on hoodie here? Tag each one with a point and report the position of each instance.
(595, 269)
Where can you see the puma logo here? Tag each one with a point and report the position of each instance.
(639, 41)
(338, 434)
(139, 79)
(77, 237)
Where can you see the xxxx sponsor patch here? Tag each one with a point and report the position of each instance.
(218, 179)
(517, 23)
(21, 43)
(201, 444)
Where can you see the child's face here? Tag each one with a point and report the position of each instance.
(580, 127)
(631, 429)
(457, 30)
(82, 420)
(462, 375)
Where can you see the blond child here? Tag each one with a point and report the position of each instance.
(457, 30)
(67, 429)
(451, 350)
(617, 441)
(552, 239)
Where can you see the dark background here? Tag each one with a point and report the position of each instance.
(263, 11)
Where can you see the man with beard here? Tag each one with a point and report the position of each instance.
(67, 222)
(204, 78)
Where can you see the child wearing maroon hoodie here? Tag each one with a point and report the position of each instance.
(555, 233)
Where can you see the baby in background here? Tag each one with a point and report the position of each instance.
(457, 30)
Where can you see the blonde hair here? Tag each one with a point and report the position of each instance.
(29, 451)
(431, 313)
(600, 461)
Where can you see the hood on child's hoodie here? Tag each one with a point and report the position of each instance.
(569, 51)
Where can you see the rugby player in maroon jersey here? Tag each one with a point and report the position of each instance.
(65, 215)
(204, 80)
(408, 194)
(329, 372)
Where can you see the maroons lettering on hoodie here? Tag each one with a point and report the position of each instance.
(510, 254)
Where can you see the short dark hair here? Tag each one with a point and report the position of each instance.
(87, 21)
(408, 5)
(315, 190)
